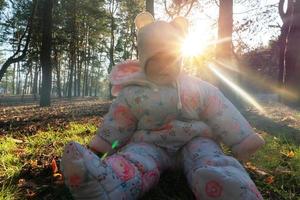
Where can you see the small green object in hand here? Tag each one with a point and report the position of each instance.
(104, 156)
(115, 144)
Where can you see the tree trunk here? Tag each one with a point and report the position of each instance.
(92, 76)
(111, 51)
(13, 79)
(150, 6)
(86, 73)
(18, 78)
(45, 99)
(79, 64)
(286, 17)
(35, 81)
(75, 76)
(224, 50)
(6, 83)
(291, 58)
(39, 81)
(57, 67)
(70, 82)
(72, 48)
(31, 78)
(66, 84)
(25, 85)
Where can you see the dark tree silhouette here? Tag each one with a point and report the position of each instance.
(27, 36)
(150, 6)
(45, 99)
(289, 63)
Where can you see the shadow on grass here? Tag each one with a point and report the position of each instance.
(40, 184)
(172, 185)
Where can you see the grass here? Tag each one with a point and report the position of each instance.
(278, 152)
(279, 159)
(10, 163)
(45, 145)
(9, 192)
(37, 144)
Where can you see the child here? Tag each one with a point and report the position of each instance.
(163, 118)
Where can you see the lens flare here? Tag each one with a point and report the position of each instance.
(254, 77)
(192, 45)
(236, 88)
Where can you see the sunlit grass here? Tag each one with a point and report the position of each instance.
(9, 191)
(281, 160)
(43, 144)
(279, 154)
(10, 163)
(52, 142)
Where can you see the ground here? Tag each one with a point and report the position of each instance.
(32, 138)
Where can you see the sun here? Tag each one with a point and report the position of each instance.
(195, 42)
(192, 46)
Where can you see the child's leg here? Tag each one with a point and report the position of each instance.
(213, 175)
(124, 175)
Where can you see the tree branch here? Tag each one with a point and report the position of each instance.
(13, 58)
(190, 8)
(166, 9)
(216, 2)
(280, 10)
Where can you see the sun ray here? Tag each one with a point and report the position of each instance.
(272, 85)
(236, 88)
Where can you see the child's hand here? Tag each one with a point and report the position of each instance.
(98, 145)
(248, 147)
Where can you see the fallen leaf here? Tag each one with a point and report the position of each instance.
(269, 180)
(54, 167)
(21, 182)
(33, 163)
(291, 154)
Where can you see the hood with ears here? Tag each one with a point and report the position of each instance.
(154, 37)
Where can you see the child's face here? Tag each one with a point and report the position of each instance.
(163, 68)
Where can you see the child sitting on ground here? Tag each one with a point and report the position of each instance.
(163, 118)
